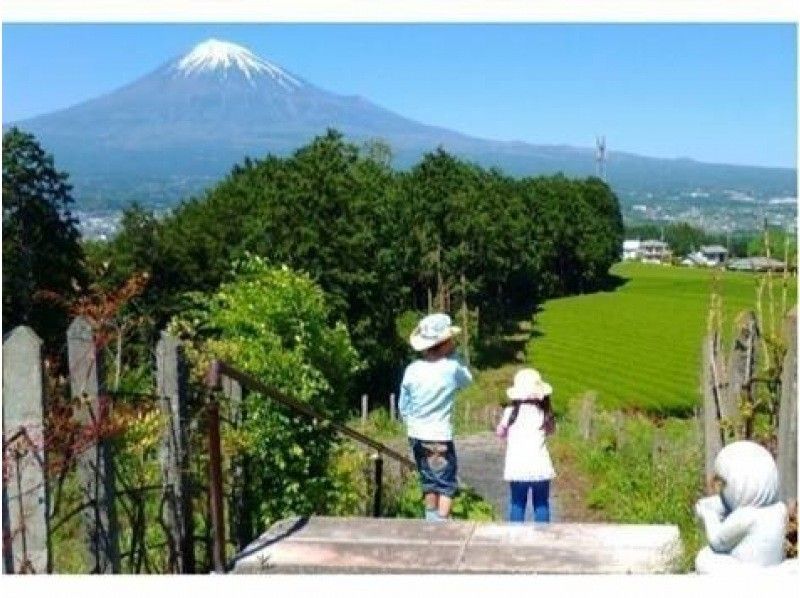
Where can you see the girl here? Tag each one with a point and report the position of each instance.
(526, 423)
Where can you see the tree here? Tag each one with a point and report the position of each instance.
(41, 250)
(274, 324)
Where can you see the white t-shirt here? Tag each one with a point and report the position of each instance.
(527, 457)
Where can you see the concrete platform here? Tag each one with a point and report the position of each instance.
(363, 545)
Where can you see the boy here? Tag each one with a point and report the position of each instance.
(427, 395)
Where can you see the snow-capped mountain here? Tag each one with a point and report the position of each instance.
(189, 121)
(218, 56)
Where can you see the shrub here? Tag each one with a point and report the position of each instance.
(274, 324)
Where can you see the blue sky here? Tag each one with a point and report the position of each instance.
(717, 93)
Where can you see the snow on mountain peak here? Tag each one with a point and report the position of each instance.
(213, 55)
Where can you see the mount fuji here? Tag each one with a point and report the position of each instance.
(184, 125)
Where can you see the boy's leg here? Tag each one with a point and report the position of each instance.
(518, 500)
(541, 501)
(445, 467)
(445, 503)
(431, 501)
(431, 506)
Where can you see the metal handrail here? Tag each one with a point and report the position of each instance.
(220, 368)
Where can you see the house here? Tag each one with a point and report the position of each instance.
(756, 264)
(646, 251)
(653, 251)
(630, 249)
(709, 255)
(714, 255)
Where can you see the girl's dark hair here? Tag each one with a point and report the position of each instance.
(549, 423)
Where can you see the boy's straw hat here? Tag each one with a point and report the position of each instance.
(528, 384)
(432, 330)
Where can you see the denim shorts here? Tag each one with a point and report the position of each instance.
(436, 464)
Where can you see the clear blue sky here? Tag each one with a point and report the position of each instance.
(719, 93)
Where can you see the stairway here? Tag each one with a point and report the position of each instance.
(363, 545)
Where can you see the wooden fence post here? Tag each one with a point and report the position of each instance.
(26, 533)
(712, 432)
(392, 407)
(741, 368)
(364, 409)
(95, 464)
(787, 416)
(171, 381)
(241, 519)
(586, 416)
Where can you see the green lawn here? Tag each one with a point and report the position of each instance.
(638, 346)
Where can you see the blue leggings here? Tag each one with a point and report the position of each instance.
(519, 500)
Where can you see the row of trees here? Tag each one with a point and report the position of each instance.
(380, 243)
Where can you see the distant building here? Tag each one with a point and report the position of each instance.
(756, 264)
(646, 251)
(654, 251)
(630, 249)
(709, 255)
(714, 254)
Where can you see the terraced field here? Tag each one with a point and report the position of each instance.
(638, 346)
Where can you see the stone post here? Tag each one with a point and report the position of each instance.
(95, 462)
(26, 533)
(171, 380)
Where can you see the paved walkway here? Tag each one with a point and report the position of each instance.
(365, 545)
(480, 465)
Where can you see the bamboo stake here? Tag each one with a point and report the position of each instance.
(769, 281)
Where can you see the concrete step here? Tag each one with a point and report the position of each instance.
(363, 545)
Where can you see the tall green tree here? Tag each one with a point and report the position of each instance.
(41, 250)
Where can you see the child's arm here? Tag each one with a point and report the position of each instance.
(404, 400)
(502, 427)
(463, 375)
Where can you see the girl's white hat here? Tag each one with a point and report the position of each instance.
(528, 384)
(432, 330)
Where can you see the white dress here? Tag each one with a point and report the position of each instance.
(527, 457)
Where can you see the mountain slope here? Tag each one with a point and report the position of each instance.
(186, 123)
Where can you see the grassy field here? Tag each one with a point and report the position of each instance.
(638, 346)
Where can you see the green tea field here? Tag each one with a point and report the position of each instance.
(638, 346)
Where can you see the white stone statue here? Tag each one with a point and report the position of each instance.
(745, 523)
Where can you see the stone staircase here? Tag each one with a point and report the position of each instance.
(364, 545)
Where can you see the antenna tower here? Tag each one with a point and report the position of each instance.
(600, 156)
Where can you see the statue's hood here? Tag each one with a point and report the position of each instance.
(749, 473)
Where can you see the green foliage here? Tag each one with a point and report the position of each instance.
(641, 471)
(40, 240)
(780, 244)
(640, 346)
(349, 474)
(273, 323)
(380, 242)
(470, 506)
(380, 425)
(467, 504)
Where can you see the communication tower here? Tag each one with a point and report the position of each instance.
(600, 157)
